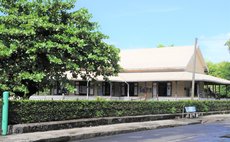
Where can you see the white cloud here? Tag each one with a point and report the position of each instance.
(213, 47)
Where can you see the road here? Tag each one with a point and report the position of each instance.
(209, 132)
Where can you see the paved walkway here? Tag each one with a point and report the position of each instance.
(90, 132)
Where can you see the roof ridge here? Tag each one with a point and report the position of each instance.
(149, 48)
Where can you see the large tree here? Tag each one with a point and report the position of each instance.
(221, 70)
(228, 44)
(40, 40)
(162, 45)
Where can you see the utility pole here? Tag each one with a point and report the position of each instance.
(194, 70)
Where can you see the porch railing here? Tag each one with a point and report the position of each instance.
(59, 97)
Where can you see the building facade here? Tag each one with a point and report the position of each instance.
(153, 73)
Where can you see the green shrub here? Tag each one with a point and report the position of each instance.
(28, 111)
(173, 110)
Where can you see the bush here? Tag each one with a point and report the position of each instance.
(28, 111)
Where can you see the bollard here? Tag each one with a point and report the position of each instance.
(5, 113)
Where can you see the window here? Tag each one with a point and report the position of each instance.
(106, 88)
(82, 88)
(169, 89)
(91, 90)
(76, 91)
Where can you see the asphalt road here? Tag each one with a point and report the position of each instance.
(210, 132)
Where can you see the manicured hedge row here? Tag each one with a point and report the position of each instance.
(27, 111)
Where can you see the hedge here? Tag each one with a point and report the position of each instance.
(27, 111)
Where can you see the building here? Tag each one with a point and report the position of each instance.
(154, 73)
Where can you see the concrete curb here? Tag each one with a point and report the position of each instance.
(112, 132)
(106, 130)
(89, 122)
(86, 133)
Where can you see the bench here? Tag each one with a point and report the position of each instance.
(190, 112)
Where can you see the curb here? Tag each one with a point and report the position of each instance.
(108, 130)
(90, 122)
(91, 132)
(109, 133)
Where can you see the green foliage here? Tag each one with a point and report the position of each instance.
(173, 110)
(40, 40)
(99, 99)
(162, 45)
(221, 70)
(228, 44)
(27, 111)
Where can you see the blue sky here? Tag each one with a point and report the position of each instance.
(147, 23)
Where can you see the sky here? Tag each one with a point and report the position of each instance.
(146, 23)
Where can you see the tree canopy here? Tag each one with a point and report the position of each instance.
(221, 70)
(40, 40)
(162, 45)
(228, 44)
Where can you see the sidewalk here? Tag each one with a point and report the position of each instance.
(105, 130)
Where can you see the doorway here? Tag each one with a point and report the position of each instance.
(162, 89)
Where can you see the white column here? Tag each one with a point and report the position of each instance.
(154, 89)
(198, 90)
(168, 89)
(77, 88)
(176, 90)
(111, 89)
(127, 89)
(87, 89)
